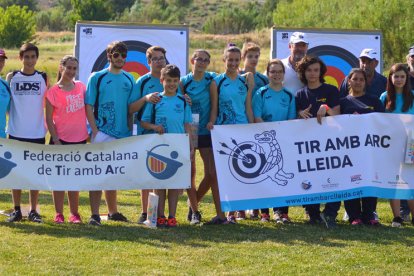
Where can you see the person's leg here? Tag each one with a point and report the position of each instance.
(172, 202)
(314, 212)
(16, 197)
(410, 204)
(368, 207)
(73, 199)
(404, 210)
(58, 200)
(192, 192)
(332, 208)
(144, 200)
(353, 209)
(206, 155)
(111, 201)
(161, 202)
(95, 201)
(33, 198)
(395, 207)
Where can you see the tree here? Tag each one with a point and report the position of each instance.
(17, 25)
(90, 10)
(31, 4)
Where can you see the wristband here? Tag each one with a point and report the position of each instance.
(326, 107)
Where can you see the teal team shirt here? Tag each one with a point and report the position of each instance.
(260, 80)
(4, 106)
(231, 100)
(273, 106)
(172, 112)
(399, 102)
(110, 94)
(199, 92)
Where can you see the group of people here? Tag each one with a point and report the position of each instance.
(162, 102)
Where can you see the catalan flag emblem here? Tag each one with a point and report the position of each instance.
(160, 166)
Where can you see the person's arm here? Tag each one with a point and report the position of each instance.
(324, 109)
(91, 120)
(248, 105)
(50, 124)
(213, 105)
(9, 77)
(138, 104)
(146, 120)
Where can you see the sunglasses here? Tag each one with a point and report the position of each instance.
(116, 55)
(201, 60)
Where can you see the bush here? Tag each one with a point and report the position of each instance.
(17, 25)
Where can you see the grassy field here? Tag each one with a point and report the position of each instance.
(250, 247)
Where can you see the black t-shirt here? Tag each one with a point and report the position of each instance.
(324, 94)
(361, 105)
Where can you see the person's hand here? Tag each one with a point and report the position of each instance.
(305, 114)
(159, 129)
(56, 141)
(355, 113)
(188, 99)
(210, 125)
(93, 136)
(321, 113)
(153, 98)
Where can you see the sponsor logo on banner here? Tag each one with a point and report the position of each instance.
(356, 179)
(160, 166)
(251, 162)
(330, 184)
(6, 165)
(306, 184)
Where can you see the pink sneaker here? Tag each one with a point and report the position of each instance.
(356, 222)
(75, 219)
(59, 218)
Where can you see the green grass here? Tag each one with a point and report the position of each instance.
(249, 247)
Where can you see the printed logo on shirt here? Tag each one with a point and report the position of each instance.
(74, 103)
(27, 88)
(241, 90)
(178, 108)
(321, 100)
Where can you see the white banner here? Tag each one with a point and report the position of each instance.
(301, 162)
(140, 162)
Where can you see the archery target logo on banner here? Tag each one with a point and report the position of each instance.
(136, 61)
(338, 49)
(338, 61)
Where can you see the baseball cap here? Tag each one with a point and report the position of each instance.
(369, 53)
(297, 37)
(2, 53)
(411, 51)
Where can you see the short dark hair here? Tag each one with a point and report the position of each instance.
(171, 71)
(28, 47)
(274, 61)
(116, 46)
(307, 61)
(150, 51)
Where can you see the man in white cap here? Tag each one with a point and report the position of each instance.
(410, 63)
(298, 46)
(376, 83)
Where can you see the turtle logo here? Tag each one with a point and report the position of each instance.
(249, 163)
(162, 167)
(5, 164)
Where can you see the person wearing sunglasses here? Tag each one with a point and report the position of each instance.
(108, 94)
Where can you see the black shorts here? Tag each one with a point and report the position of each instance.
(67, 143)
(29, 140)
(204, 141)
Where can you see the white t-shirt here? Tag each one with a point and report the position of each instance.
(291, 81)
(26, 115)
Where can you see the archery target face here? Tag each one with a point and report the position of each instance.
(338, 50)
(92, 40)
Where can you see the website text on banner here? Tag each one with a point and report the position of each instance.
(301, 162)
(139, 162)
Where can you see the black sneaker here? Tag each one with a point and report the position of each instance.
(217, 221)
(196, 218)
(190, 214)
(15, 216)
(95, 220)
(117, 217)
(397, 222)
(34, 217)
(142, 218)
(329, 221)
